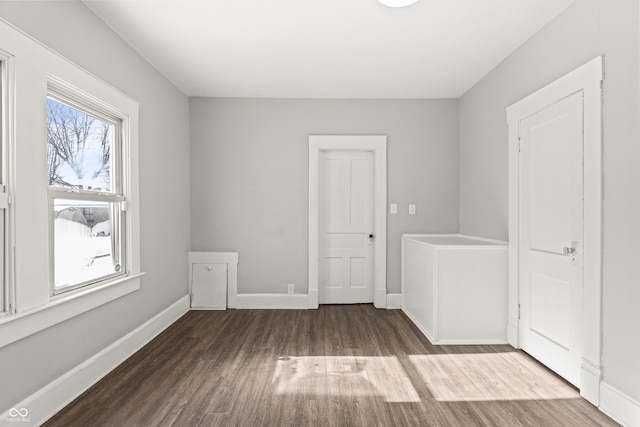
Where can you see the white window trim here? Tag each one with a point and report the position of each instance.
(68, 95)
(7, 109)
(33, 309)
(64, 307)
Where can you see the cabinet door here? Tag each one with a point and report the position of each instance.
(209, 286)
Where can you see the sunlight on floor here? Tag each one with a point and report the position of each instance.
(489, 377)
(345, 376)
(449, 377)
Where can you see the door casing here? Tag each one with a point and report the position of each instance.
(378, 145)
(588, 80)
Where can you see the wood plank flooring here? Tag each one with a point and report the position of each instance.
(336, 366)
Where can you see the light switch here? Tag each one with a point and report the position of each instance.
(393, 208)
(412, 209)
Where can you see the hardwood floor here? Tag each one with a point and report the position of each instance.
(336, 366)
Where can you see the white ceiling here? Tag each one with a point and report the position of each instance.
(325, 48)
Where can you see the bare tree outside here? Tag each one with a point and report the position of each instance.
(79, 158)
(79, 148)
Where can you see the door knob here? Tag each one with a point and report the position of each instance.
(568, 251)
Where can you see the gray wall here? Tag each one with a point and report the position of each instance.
(586, 29)
(250, 177)
(72, 30)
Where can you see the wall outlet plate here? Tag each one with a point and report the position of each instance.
(291, 288)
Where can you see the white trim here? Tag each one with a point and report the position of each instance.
(394, 301)
(512, 323)
(619, 406)
(469, 342)
(7, 145)
(590, 377)
(50, 399)
(18, 326)
(377, 144)
(272, 301)
(120, 118)
(28, 259)
(312, 299)
(213, 257)
(587, 79)
(456, 245)
(484, 239)
(229, 258)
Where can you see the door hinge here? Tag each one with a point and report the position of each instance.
(519, 144)
(518, 311)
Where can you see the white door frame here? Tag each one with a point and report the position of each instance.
(588, 80)
(378, 145)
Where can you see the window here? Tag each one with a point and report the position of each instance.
(86, 197)
(5, 102)
(69, 203)
(3, 287)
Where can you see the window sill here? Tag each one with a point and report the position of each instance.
(18, 326)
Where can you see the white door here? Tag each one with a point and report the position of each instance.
(209, 286)
(551, 234)
(346, 226)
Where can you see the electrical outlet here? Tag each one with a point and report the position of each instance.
(412, 209)
(393, 209)
(291, 288)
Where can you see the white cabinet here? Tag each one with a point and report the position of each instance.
(454, 288)
(209, 286)
(209, 276)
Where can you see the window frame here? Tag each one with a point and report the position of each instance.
(71, 97)
(7, 103)
(31, 307)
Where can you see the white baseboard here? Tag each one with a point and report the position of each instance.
(590, 376)
(380, 298)
(470, 341)
(394, 301)
(619, 406)
(272, 301)
(512, 332)
(312, 299)
(50, 399)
